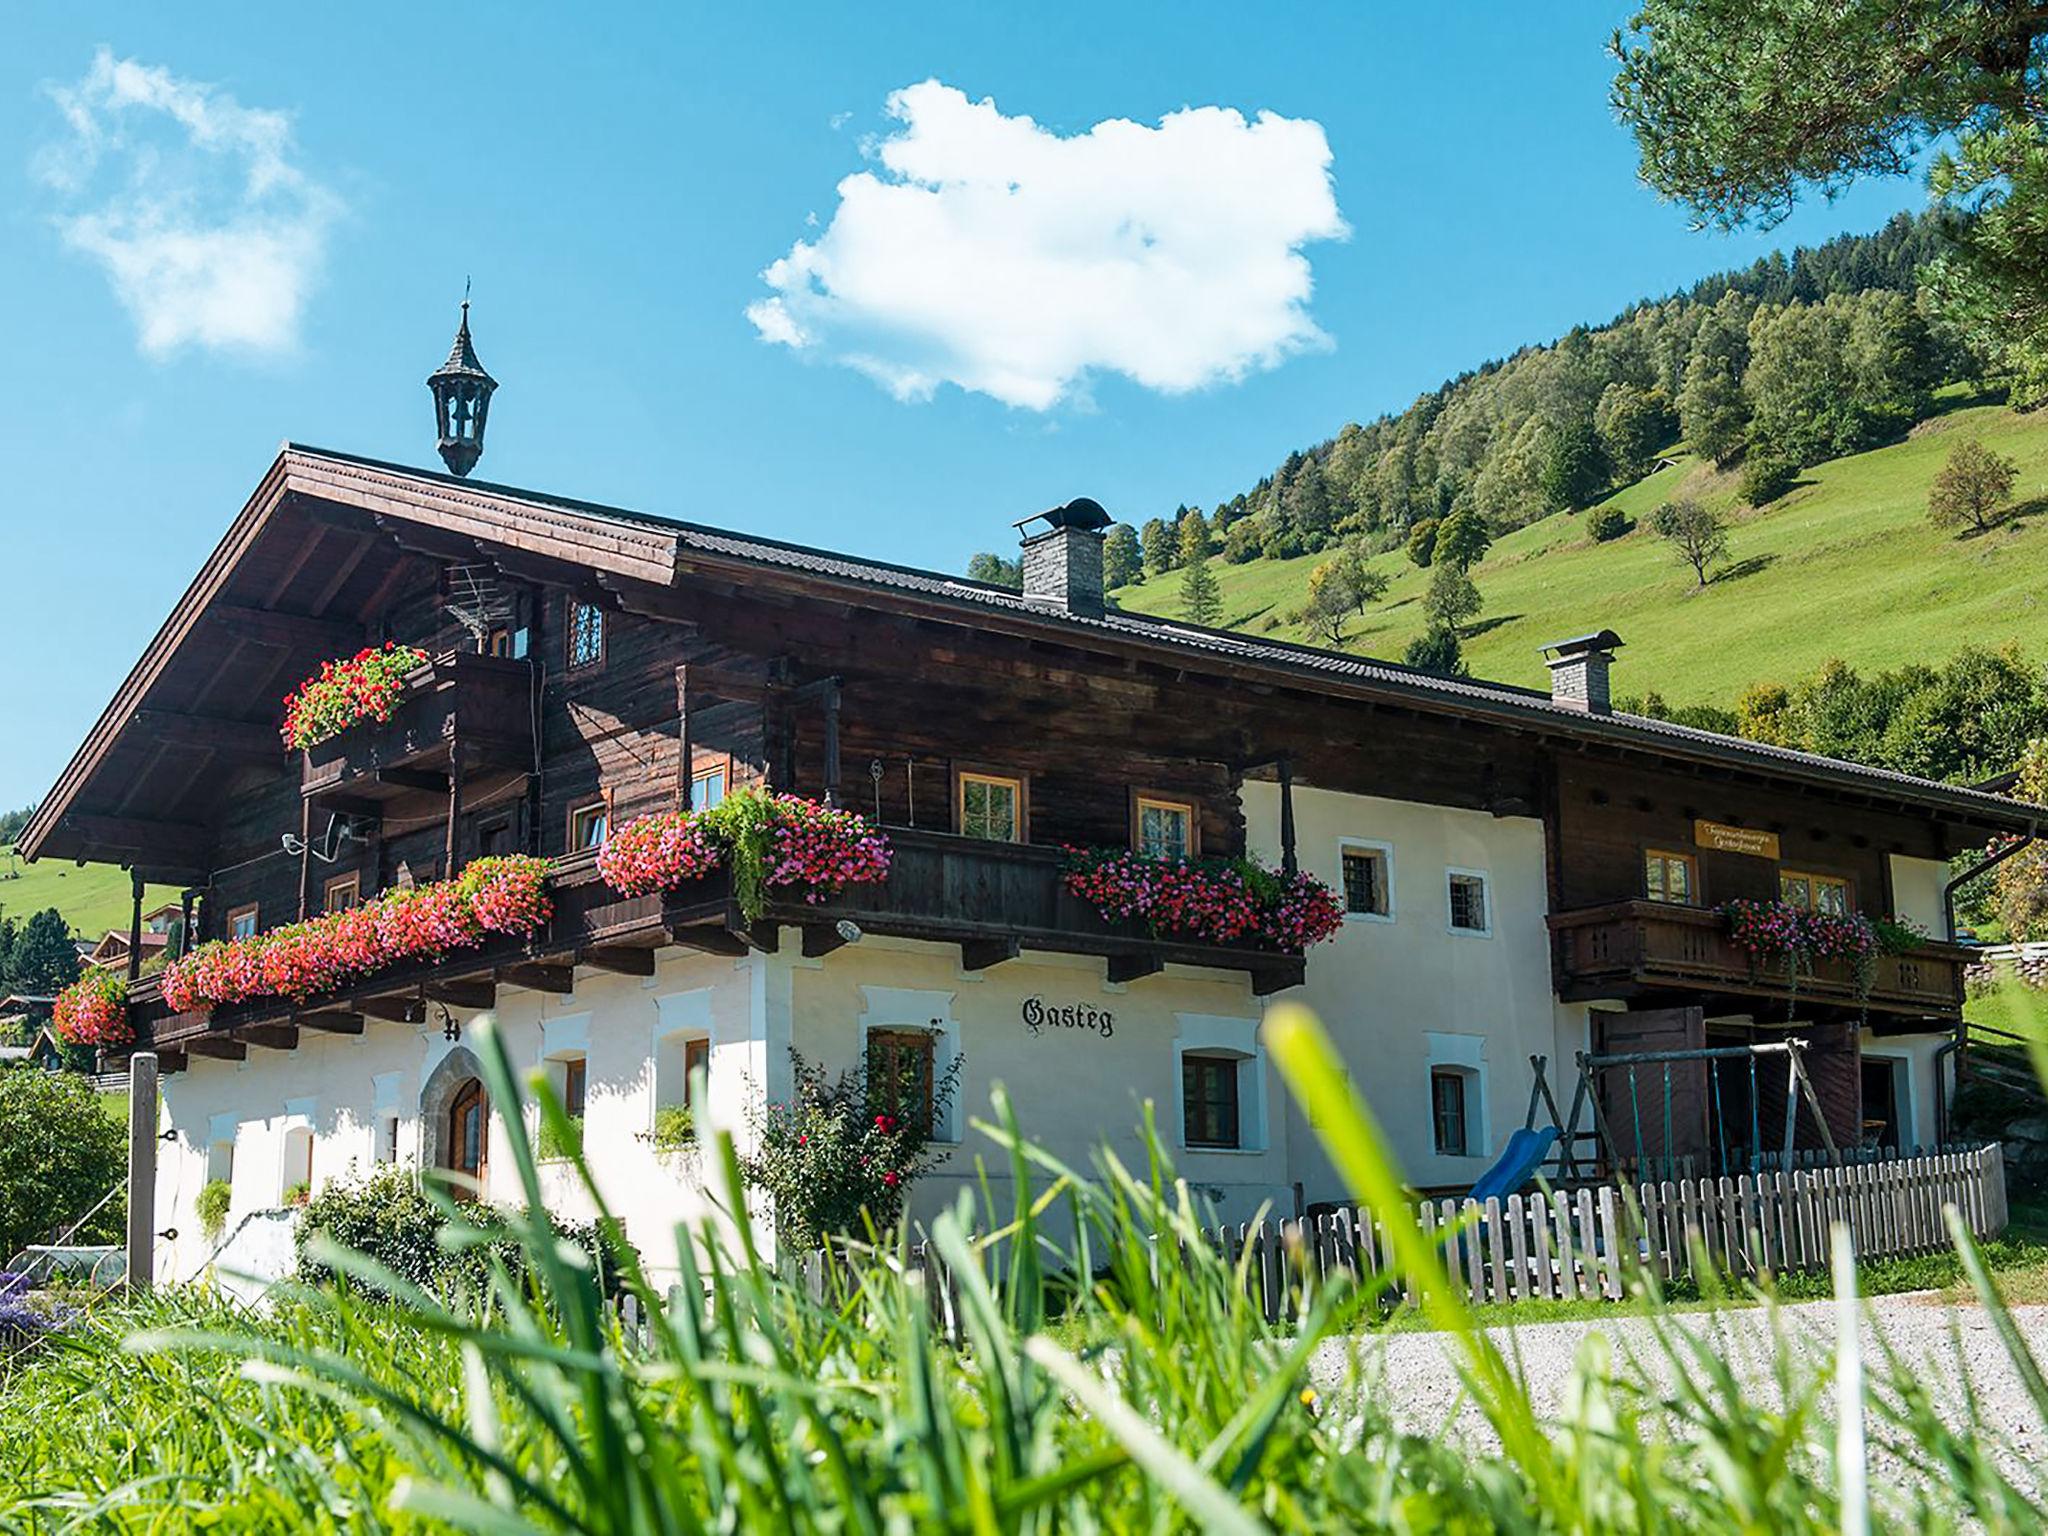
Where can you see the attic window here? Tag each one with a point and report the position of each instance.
(586, 633)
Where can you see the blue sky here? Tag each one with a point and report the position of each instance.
(254, 223)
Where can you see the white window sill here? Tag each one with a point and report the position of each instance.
(1224, 1151)
(1469, 933)
(1369, 917)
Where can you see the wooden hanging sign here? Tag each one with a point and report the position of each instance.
(1723, 838)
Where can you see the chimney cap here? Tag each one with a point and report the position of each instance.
(1082, 512)
(1582, 645)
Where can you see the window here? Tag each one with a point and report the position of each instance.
(900, 1074)
(587, 826)
(494, 838)
(696, 1059)
(575, 1085)
(1447, 1111)
(506, 642)
(1671, 877)
(1814, 893)
(1367, 890)
(344, 891)
(469, 1149)
(242, 922)
(991, 807)
(707, 787)
(586, 633)
(1467, 890)
(1208, 1097)
(1163, 828)
(387, 1136)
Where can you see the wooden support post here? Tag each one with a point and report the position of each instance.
(454, 808)
(142, 1145)
(186, 898)
(1289, 864)
(134, 924)
(305, 855)
(686, 752)
(832, 741)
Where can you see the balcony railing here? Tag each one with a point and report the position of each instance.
(994, 900)
(1637, 949)
(477, 708)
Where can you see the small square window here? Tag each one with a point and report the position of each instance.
(587, 825)
(586, 634)
(1365, 882)
(1208, 1094)
(344, 892)
(1447, 1111)
(1672, 877)
(1468, 902)
(991, 808)
(242, 922)
(1165, 829)
(707, 788)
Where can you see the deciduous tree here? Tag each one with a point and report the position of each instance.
(1972, 489)
(1697, 534)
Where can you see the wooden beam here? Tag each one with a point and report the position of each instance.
(479, 993)
(277, 1037)
(413, 778)
(397, 1009)
(1134, 967)
(1279, 975)
(980, 954)
(335, 1021)
(181, 840)
(287, 631)
(247, 739)
(558, 979)
(220, 1046)
(820, 939)
(709, 938)
(620, 960)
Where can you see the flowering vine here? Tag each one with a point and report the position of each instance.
(1214, 900)
(506, 895)
(767, 840)
(93, 1010)
(365, 686)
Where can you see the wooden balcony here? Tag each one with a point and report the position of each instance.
(994, 900)
(461, 712)
(1663, 954)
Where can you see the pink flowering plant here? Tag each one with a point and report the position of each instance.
(93, 1010)
(1216, 901)
(768, 841)
(365, 686)
(1779, 933)
(837, 1157)
(490, 897)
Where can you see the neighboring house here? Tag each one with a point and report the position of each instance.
(1527, 874)
(111, 953)
(42, 1053)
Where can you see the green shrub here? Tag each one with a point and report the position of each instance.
(1765, 477)
(675, 1125)
(1606, 523)
(60, 1151)
(1422, 542)
(212, 1207)
(550, 1146)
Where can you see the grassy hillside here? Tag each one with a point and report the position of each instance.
(1846, 565)
(92, 899)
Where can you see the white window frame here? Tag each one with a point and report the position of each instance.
(680, 1020)
(1466, 1054)
(301, 1118)
(563, 1040)
(1485, 879)
(387, 1096)
(1208, 1034)
(1386, 852)
(911, 1008)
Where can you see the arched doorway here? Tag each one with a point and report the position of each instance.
(467, 1146)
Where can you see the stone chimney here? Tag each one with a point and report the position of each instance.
(1578, 671)
(1063, 561)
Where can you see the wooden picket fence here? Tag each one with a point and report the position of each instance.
(1585, 1243)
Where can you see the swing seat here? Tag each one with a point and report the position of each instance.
(1525, 1152)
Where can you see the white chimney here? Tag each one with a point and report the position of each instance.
(1578, 671)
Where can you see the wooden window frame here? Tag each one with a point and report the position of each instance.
(253, 911)
(1141, 798)
(696, 1053)
(575, 1086)
(353, 881)
(1225, 1067)
(926, 1043)
(569, 660)
(704, 767)
(1462, 1079)
(1691, 861)
(601, 803)
(968, 773)
(1816, 878)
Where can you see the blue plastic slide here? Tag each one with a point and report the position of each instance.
(1517, 1164)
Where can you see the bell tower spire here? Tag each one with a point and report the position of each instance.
(462, 399)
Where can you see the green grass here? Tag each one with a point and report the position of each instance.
(1845, 565)
(93, 898)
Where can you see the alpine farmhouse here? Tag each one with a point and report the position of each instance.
(1522, 875)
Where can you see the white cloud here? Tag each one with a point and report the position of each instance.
(999, 256)
(191, 203)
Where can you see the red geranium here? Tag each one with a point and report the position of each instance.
(366, 686)
(93, 1010)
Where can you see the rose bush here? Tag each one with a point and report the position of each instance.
(505, 895)
(365, 686)
(1215, 901)
(93, 1010)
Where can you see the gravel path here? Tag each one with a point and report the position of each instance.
(1415, 1375)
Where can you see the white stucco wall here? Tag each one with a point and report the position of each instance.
(1397, 993)
(1916, 892)
(1918, 1060)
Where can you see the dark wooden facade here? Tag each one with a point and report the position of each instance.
(822, 676)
